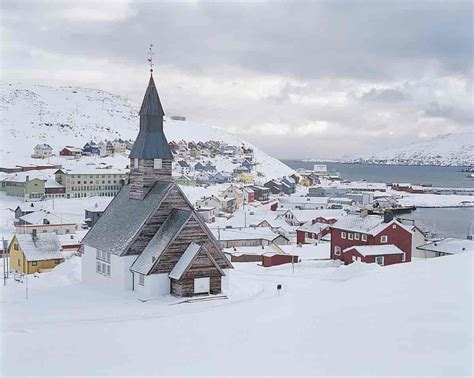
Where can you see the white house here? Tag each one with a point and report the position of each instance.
(42, 151)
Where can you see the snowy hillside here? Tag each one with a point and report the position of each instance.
(73, 116)
(447, 149)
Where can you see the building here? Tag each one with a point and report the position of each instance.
(31, 185)
(150, 239)
(357, 230)
(211, 201)
(314, 230)
(261, 193)
(303, 203)
(248, 236)
(71, 151)
(387, 254)
(300, 217)
(288, 185)
(93, 214)
(85, 182)
(27, 208)
(208, 214)
(43, 221)
(235, 192)
(249, 194)
(184, 167)
(228, 204)
(91, 149)
(275, 186)
(42, 151)
(445, 247)
(53, 189)
(32, 253)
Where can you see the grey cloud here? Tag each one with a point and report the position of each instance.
(437, 110)
(384, 95)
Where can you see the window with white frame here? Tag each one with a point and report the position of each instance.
(343, 235)
(384, 239)
(103, 263)
(135, 163)
(141, 279)
(379, 260)
(364, 237)
(403, 257)
(157, 163)
(354, 258)
(350, 236)
(356, 236)
(337, 250)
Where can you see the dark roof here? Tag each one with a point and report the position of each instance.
(151, 105)
(160, 241)
(151, 142)
(124, 217)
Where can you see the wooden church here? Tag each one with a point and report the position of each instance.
(150, 239)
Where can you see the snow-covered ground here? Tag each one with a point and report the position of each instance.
(449, 149)
(408, 319)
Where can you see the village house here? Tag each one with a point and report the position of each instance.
(25, 208)
(88, 182)
(211, 201)
(185, 180)
(445, 247)
(43, 221)
(208, 214)
(91, 148)
(302, 203)
(275, 186)
(228, 204)
(42, 151)
(288, 185)
(248, 236)
(314, 230)
(32, 253)
(408, 188)
(174, 147)
(249, 194)
(71, 151)
(237, 193)
(383, 255)
(119, 146)
(202, 178)
(28, 185)
(261, 193)
(300, 217)
(150, 239)
(246, 178)
(93, 214)
(183, 167)
(357, 230)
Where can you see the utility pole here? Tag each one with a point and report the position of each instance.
(4, 261)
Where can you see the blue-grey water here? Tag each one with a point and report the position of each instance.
(448, 177)
(447, 222)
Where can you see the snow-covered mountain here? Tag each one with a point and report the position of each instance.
(60, 116)
(448, 149)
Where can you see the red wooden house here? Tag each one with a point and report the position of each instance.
(356, 230)
(387, 254)
(70, 151)
(314, 230)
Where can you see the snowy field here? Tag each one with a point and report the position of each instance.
(409, 319)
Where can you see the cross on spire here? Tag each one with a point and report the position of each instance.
(150, 57)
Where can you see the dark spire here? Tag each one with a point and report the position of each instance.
(151, 142)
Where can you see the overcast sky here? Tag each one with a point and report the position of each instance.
(297, 78)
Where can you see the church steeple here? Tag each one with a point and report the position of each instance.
(151, 156)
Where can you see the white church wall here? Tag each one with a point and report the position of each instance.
(120, 276)
(155, 285)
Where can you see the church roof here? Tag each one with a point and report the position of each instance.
(160, 241)
(151, 142)
(124, 217)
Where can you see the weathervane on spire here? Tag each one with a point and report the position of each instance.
(150, 57)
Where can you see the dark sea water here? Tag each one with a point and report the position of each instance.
(447, 222)
(448, 177)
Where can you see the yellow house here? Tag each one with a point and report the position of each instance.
(31, 253)
(305, 181)
(246, 178)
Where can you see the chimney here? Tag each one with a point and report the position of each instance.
(387, 216)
